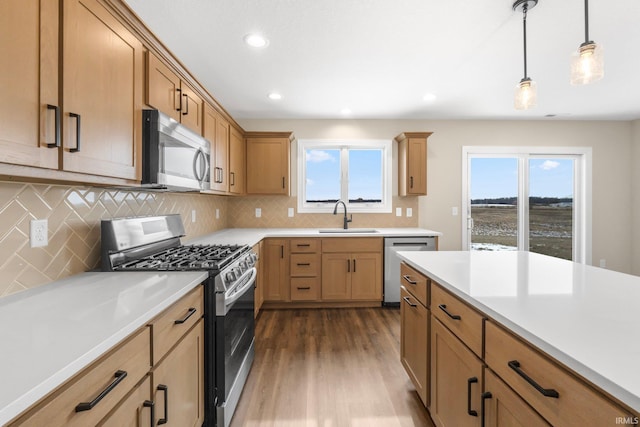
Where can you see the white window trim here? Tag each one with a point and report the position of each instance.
(582, 252)
(387, 159)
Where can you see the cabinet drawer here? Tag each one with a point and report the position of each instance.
(304, 265)
(305, 289)
(415, 283)
(456, 315)
(576, 403)
(131, 357)
(352, 244)
(168, 327)
(305, 245)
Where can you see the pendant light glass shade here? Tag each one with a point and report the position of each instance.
(587, 64)
(526, 95)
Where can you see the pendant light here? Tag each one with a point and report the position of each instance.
(587, 63)
(525, 96)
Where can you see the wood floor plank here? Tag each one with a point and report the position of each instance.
(329, 368)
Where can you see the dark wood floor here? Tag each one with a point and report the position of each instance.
(329, 368)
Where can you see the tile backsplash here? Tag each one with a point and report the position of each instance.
(74, 215)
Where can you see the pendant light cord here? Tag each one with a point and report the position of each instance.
(586, 21)
(524, 30)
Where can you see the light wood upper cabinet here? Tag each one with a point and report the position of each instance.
(102, 92)
(29, 82)
(216, 130)
(237, 156)
(172, 95)
(412, 163)
(268, 162)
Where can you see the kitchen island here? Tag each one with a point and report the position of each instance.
(581, 316)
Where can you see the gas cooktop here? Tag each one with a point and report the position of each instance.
(187, 257)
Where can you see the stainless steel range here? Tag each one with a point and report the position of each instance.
(153, 244)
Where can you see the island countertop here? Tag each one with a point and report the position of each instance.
(585, 317)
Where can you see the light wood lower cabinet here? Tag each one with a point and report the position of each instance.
(135, 410)
(178, 382)
(259, 286)
(275, 257)
(414, 337)
(456, 380)
(504, 408)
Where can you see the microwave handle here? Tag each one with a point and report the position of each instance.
(196, 158)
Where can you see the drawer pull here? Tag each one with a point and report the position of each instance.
(453, 316)
(190, 313)
(303, 245)
(152, 405)
(484, 396)
(304, 288)
(408, 279)
(470, 411)
(303, 264)
(87, 406)
(162, 387)
(547, 392)
(408, 301)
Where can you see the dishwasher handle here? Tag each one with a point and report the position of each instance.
(410, 244)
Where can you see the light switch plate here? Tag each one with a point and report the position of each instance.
(454, 211)
(38, 233)
(290, 212)
(193, 215)
(217, 213)
(409, 212)
(258, 212)
(398, 211)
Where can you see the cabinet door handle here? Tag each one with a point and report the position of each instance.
(165, 389)
(78, 118)
(348, 266)
(408, 301)
(56, 112)
(152, 407)
(179, 100)
(411, 180)
(547, 392)
(186, 102)
(470, 411)
(354, 265)
(233, 178)
(304, 288)
(408, 279)
(453, 316)
(87, 406)
(303, 264)
(283, 182)
(484, 396)
(190, 313)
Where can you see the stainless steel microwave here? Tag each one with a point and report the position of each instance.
(173, 156)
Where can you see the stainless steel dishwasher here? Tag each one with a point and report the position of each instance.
(393, 245)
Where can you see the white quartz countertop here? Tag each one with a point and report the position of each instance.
(52, 332)
(251, 236)
(583, 316)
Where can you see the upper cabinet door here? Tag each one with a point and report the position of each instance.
(412, 163)
(237, 155)
(29, 83)
(216, 130)
(268, 164)
(102, 87)
(163, 87)
(191, 108)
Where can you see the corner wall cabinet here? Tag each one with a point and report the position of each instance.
(173, 96)
(412, 163)
(268, 162)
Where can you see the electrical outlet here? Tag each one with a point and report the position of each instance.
(290, 212)
(39, 233)
(398, 211)
(603, 263)
(217, 213)
(193, 215)
(454, 211)
(258, 212)
(409, 212)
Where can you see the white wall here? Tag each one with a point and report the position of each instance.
(635, 197)
(612, 176)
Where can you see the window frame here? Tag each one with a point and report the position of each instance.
(344, 145)
(582, 250)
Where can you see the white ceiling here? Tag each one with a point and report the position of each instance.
(380, 57)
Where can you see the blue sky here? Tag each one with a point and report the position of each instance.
(498, 177)
(323, 174)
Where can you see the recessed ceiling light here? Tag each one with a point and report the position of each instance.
(256, 40)
(275, 96)
(429, 97)
(345, 111)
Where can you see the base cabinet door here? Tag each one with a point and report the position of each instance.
(135, 410)
(414, 328)
(336, 277)
(275, 265)
(178, 382)
(366, 277)
(504, 408)
(456, 380)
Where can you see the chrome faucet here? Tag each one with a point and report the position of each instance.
(335, 212)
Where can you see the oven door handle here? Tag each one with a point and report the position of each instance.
(241, 291)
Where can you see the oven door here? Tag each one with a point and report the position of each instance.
(235, 330)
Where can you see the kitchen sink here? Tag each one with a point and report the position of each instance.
(348, 230)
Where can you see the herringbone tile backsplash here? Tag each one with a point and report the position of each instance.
(74, 215)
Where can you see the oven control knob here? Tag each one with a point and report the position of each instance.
(237, 271)
(231, 276)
